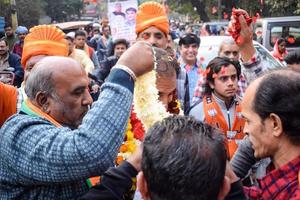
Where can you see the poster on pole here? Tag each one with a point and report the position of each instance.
(121, 15)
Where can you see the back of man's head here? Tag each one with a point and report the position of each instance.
(183, 159)
(279, 93)
(293, 60)
(293, 57)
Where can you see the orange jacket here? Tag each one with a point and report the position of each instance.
(214, 116)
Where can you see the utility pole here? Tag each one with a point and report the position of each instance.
(219, 9)
(14, 17)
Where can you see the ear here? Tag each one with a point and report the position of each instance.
(276, 125)
(225, 188)
(43, 102)
(142, 186)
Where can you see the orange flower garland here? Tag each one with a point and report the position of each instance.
(128, 146)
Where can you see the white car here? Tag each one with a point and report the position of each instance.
(209, 48)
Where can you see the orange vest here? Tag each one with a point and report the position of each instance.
(214, 116)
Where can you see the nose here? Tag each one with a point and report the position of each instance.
(231, 56)
(230, 82)
(190, 49)
(87, 99)
(152, 40)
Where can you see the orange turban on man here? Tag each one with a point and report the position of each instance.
(44, 40)
(151, 14)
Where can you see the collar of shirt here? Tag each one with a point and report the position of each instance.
(222, 103)
(188, 67)
(281, 182)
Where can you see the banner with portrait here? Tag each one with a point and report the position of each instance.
(121, 15)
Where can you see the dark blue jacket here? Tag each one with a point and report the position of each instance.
(14, 61)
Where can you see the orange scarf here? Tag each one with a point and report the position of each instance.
(30, 109)
(8, 102)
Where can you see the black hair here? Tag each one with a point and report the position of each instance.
(115, 43)
(281, 40)
(7, 25)
(189, 38)
(131, 9)
(214, 67)
(80, 33)
(69, 38)
(279, 93)
(183, 159)
(121, 41)
(102, 29)
(6, 43)
(293, 57)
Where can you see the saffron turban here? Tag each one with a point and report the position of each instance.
(151, 14)
(44, 40)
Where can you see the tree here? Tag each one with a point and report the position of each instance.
(63, 10)
(28, 11)
(276, 8)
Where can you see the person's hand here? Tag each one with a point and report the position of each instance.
(95, 88)
(139, 58)
(136, 158)
(242, 31)
(246, 32)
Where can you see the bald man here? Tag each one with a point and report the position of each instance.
(55, 143)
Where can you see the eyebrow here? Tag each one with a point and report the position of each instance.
(228, 75)
(79, 88)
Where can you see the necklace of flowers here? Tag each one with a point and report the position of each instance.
(147, 106)
(128, 146)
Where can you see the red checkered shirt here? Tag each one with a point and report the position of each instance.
(279, 184)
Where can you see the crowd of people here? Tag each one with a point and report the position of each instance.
(67, 112)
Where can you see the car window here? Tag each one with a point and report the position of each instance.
(267, 59)
(289, 31)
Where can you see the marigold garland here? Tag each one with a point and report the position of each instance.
(128, 146)
(147, 106)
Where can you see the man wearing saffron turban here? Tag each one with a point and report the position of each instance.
(152, 25)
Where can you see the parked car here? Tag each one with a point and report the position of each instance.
(209, 48)
(268, 30)
(215, 26)
(72, 26)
